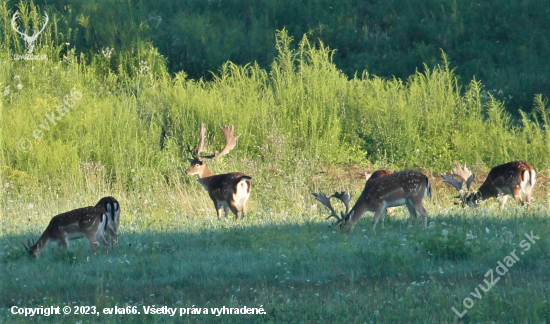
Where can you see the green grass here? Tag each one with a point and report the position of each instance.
(288, 262)
(306, 128)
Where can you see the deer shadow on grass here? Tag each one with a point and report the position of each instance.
(255, 262)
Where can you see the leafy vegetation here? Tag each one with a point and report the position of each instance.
(306, 127)
(502, 43)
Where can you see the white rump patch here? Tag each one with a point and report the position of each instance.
(241, 195)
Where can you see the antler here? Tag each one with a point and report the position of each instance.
(464, 173)
(344, 197)
(30, 243)
(230, 142)
(453, 182)
(195, 153)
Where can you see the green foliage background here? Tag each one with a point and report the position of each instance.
(135, 119)
(308, 125)
(503, 43)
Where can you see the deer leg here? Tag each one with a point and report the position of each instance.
(234, 209)
(517, 196)
(377, 214)
(219, 209)
(63, 242)
(93, 242)
(422, 212)
(412, 213)
(504, 200)
(245, 207)
(104, 242)
(383, 216)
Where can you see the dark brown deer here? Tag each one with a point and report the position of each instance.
(229, 191)
(513, 178)
(397, 189)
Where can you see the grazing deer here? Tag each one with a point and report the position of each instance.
(89, 222)
(229, 190)
(397, 189)
(513, 178)
(111, 206)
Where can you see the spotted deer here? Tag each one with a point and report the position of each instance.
(378, 174)
(89, 222)
(229, 191)
(513, 178)
(407, 188)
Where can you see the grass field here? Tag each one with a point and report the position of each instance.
(94, 126)
(174, 252)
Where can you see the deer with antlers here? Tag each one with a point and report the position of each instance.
(396, 189)
(229, 191)
(89, 222)
(513, 178)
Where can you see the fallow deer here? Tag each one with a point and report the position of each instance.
(89, 222)
(513, 178)
(111, 206)
(378, 174)
(397, 189)
(229, 191)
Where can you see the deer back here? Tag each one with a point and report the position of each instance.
(396, 187)
(223, 187)
(78, 221)
(74, 224)
(506, 177)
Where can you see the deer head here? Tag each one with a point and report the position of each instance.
(466, 175)
(198, 166)
(343, 197)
